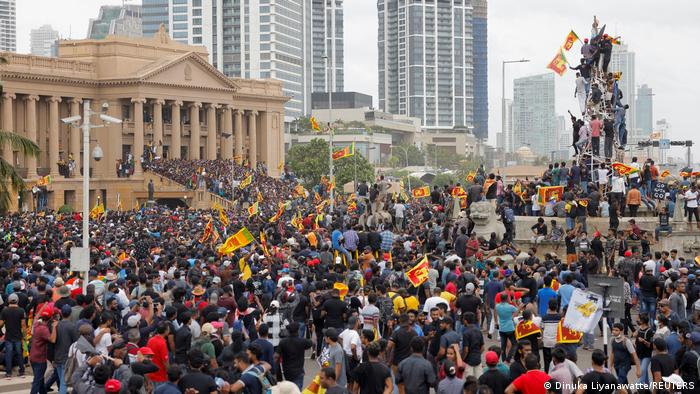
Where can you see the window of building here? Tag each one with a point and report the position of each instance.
(197, 21)
(196, 3)
(179, 18)
(197, 12)
(197, 30)
(179, 2)
(196, 40)
(179, 26)
(180, 34)
(179, 10)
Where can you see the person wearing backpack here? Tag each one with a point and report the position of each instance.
(255, 377)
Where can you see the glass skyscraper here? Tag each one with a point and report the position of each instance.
(481, 64)
(425, 58)
(153, 14)
(534, 119)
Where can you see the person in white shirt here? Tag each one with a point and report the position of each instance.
(602, 178)
(352, 344)
(634, 177)
(433, 302)
(581, 93)
(399, 210)
(691, 205)
(103, 334)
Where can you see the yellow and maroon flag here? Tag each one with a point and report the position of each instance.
(458, 191)
(567, 335)
(246, 181)
(208, 229)
(471, 176)
(623, 169)
(253, 209)
(558, 64)
(236, 241)
(421, 192)
(314, 124)
(665, 174)
(525, 328)
(419, 273)
(571, 38)
(546, 193)
(223, 218)
(345, 152)
(280, 211)
(263, 243)
(331, 185)
(487, 184)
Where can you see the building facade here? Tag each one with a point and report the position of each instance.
(481, 65)
(425, 61)
(168, 96)
(281, 39)
(644, 109)
(534, 114)
(43, 41)
(153, 14)
(118, 20)
(8, 26)
(622, 60)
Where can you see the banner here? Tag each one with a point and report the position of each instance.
(419, 273)
(558, 64)
(236, 241)
(623, 169)
(545, 193)
(571, 38)
(247, 181)
(584, 311)
(421, 192)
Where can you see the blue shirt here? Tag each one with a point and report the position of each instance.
(565, 291)
(167, 388)
(335, 239)
(543, 296)
(387, 240)
(673, 343)
(351, 240)
(505, 312)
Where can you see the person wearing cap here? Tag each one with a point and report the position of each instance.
(13, 319)
(688, 360)
(113, 386)
(492, 377)
(38, 353)
(451, 384)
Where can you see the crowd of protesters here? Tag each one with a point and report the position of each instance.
(166, 313)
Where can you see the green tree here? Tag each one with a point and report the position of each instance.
(443, 179)
(11, 181)
(416, 157)
(310, 162)
(301, 124)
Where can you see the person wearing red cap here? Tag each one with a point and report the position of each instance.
(113, 386)
(492, 377)
(41, 337)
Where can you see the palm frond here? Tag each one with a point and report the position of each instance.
(11, 182)
(24, 145)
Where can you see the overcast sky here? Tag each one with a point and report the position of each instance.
(663, 34)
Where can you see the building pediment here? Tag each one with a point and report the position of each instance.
(187, 70)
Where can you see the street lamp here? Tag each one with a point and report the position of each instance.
(405, 151)
(507, 142)
(82, 255)
(330, 126)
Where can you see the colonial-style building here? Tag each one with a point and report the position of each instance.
(168, 96)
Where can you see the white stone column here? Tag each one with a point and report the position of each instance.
(195, 131)
(138, 134)
(238, 134)
(53, 135)
(75, 133)
(8, 123)
(227, 128)
(31, 134)
(176, 131)
(158, 126)
(252, 139)
(211, 131)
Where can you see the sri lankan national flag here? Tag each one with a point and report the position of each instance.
(97, 211)
(331, 185)
(280, 211)
(558, 64)
(421, 192)
(345, 152)
(488, 183)
(352, 207)
(263, 243)
(314, 124)
(236, 241)
(458, 191)
(623, 169)
(567, 335)
(260, 197)
(317, 198)
(419, 273)
(208, 230)
(571, 38)
(665, 174)
(247, 181)
(616, 40)
(525, 328)
(223, 218)
(253, 209)
(471, 176)
(545, 193)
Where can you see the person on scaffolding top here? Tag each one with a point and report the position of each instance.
(605, 46)
(588, 50)
(584, 68)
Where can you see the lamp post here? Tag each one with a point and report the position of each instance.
(405, 151)
(506, 141)
(330, 126)
(97, 154)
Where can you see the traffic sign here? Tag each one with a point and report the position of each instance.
(664, 143)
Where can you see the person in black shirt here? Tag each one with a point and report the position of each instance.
(291, 352)
(472, 344)
(195, 378)
(372, 377)
(469, 303)
(400, 341)
(643, 343)
(334, 310)
(662, 363)
(517, 368)
(598, 381)
(664, 224)
(13, 318)
(183, 338)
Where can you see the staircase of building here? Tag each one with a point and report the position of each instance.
(165, 187)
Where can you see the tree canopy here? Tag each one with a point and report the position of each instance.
(310, 162)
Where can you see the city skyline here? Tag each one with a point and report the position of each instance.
(516, 30)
